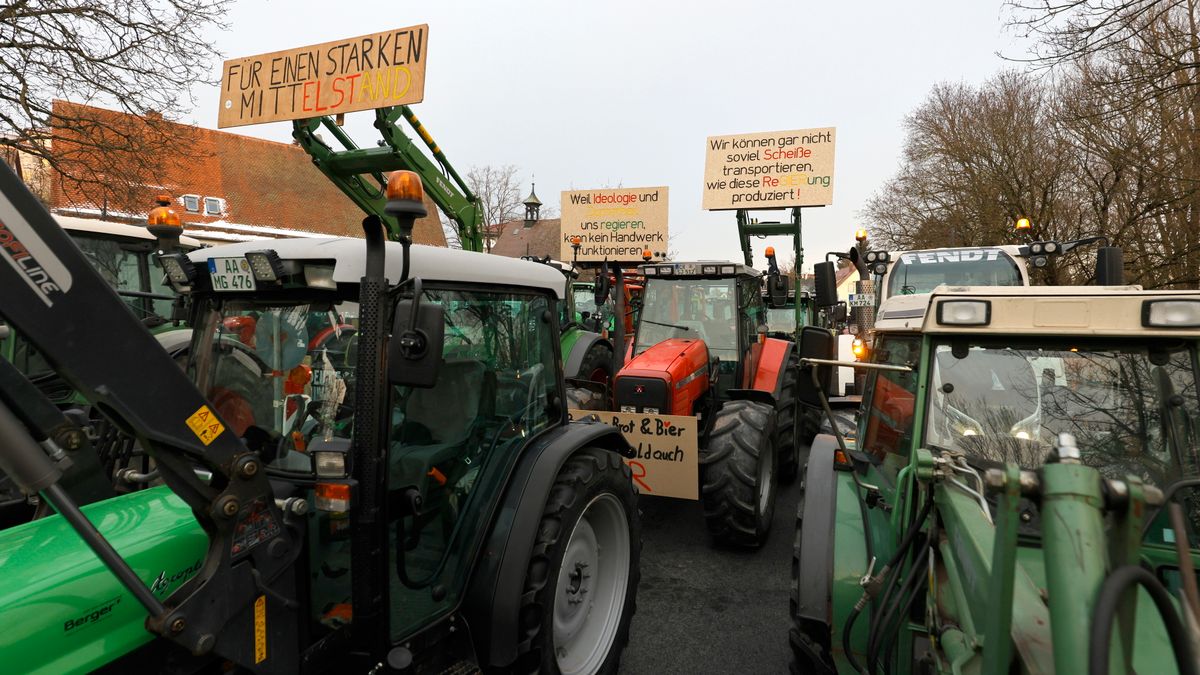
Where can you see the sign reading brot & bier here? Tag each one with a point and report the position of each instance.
(667, 461)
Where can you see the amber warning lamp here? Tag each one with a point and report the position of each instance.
(647, 255)
(860, 234)
(1022, 224)
(163, 222)
(770, 251)
(405, 199)
(576, 242)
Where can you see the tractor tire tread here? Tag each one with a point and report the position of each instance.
(729, 473)
(586, 474)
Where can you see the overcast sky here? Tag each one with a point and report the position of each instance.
(591, 94)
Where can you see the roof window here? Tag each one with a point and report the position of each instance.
(214, 206)
(191, 203)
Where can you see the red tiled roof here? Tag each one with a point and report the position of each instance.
(516, 240)
(263, 183)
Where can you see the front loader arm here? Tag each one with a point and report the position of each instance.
(359, 172)
(60, 303)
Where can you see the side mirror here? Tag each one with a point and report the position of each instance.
(825, 284)
(415, 349)
(1110, 266)
(815, 343)
(602, 289)
(777, 290)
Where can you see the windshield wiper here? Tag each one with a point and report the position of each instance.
(670, 325)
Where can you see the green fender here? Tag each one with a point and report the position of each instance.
(62, 610)
(575, 343)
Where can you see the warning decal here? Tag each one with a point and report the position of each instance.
(260, 629)
(205, 425)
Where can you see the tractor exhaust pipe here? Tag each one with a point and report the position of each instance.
(1110, 266)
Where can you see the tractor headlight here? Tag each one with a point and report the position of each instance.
(964, 312)
(266, 265)
(179, 270)
(1171, 313)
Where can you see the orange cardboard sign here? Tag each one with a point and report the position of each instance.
(362, 73)
(667, 446)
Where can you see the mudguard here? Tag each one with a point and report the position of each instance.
(751, 395)
(573, 359)
(815, 541)
(494, 594)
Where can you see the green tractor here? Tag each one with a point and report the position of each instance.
(367, 466)
(587, 355)
(1002, 498)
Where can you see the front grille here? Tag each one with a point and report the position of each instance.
(641, 393)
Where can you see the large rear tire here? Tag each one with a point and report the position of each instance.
(737, 474)
(581, 586)
(597, 364)
(787, 417)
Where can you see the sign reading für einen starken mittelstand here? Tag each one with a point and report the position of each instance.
(362, 73)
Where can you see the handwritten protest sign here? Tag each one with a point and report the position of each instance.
(362, 73)
(667, 446)
(615, 224)
(769, 170)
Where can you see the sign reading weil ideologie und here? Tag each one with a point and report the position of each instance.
(614, 224)
(769, 170)
(667, 446)
(362, 73)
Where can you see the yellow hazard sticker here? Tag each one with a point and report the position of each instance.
(205, 425)
(260, 629)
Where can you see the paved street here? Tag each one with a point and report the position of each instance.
(706, 610)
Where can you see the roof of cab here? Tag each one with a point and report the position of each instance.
(73, 224)
(1037, 310)
(431, 263)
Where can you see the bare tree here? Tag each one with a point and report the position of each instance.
(141, 57)
(499, 193)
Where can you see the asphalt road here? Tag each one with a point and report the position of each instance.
(707, 610)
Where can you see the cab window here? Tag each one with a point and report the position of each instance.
(891, 399)
(492, 395)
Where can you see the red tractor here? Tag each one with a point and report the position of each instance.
(700, 349)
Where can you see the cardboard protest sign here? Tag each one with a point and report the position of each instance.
(667, 446)
(769, 170)
(362, 73)
(615, 224)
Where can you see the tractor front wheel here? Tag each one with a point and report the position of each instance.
(787, 418)
(581, 586)
(737, 474)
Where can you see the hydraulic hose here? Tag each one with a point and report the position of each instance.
(905, 543)
(1105, 611)
(919, 573)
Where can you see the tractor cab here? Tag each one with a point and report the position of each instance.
(718, 304)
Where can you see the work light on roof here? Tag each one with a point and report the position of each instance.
(1171, 313)
(964, 312)
(728, 269)
(265, 265)
(880, 268)
(709, 269)
(649, 270)
(179, 270)
(665, 269)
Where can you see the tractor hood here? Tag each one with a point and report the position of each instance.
(62, 610)
(666, 378)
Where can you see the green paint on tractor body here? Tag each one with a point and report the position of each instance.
(1032, 567)
(62, 610)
